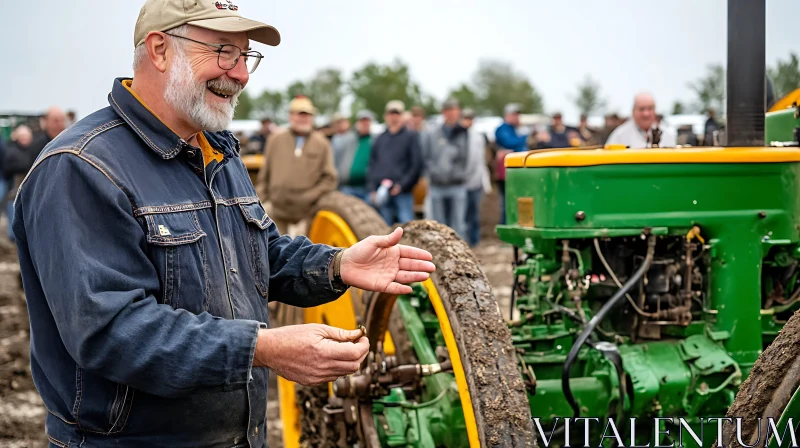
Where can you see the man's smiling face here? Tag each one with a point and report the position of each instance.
(198, 87)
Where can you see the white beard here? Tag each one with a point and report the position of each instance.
(187, 96)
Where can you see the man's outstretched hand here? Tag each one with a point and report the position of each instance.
(379, 263)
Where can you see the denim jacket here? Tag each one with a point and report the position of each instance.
(147, 277)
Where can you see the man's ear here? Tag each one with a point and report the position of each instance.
(156, 44)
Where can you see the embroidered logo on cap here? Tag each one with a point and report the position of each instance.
(226, 5)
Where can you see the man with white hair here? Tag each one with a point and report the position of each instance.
(148, 260)
(638, 131)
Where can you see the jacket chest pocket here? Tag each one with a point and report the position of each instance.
(258, 222)
(177, 248)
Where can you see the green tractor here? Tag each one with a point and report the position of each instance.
(652, 303)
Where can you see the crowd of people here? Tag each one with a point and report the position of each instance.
(303, 163)
(18, 154)
(456, 164)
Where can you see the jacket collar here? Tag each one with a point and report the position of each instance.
(154, 133)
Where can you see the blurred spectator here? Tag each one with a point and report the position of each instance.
(340, 125)
(710, 129)
(405, 118)
(507, 140)
(71, 118)
(686, 136)
(258, 141)
(586, 132)
(417, 120)
(478, 181)
(612, 121)
(395, 163)
(327, 131)
(637, 132)
(297, 170)
(445, 154)
(18, 160)
(351, 153)
(558, 134)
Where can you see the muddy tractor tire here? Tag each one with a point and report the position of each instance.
(494, 401)
(767, 390)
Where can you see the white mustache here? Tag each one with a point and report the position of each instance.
(225, 86)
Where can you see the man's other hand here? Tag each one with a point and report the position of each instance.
(311, 354)
(379, 263)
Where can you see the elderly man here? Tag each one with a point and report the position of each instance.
(148, 260)
(351, 152)
(297, 170)
(638, 131)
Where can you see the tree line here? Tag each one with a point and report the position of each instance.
(710, 89)
(494, 84)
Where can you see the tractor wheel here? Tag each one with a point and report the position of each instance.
(492, 392)
(338, 220)
(768, 390)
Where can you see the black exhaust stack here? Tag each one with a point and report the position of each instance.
(746, 73)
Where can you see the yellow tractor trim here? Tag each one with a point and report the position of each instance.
(787, 101)
(588, 157)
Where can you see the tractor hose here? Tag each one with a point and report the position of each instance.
(612, 354)
(597, 318)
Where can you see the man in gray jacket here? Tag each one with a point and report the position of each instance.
(351, 152)
(445, 154)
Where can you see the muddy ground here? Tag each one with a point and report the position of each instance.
(21, 410)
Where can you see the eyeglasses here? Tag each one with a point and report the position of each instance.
(228, 55)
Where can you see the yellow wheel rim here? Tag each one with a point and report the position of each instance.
(458, 368)
(326, 228)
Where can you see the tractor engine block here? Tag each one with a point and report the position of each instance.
(655, 354)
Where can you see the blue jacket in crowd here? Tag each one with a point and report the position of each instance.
(506, 137)
(147, 275)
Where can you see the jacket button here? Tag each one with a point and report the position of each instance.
(256, 430)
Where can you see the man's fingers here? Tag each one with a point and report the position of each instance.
(342, 335)
(397, 288)
(390, 239)
(411, 277)
(345, 351)
(409, 264)
(415, 253)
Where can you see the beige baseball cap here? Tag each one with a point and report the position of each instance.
(302, 104)
(395, 105)
(217, 15)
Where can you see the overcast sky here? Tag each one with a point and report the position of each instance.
(68, 52)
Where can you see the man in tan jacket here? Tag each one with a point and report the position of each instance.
(298, 169)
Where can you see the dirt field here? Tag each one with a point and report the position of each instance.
(21, 410)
